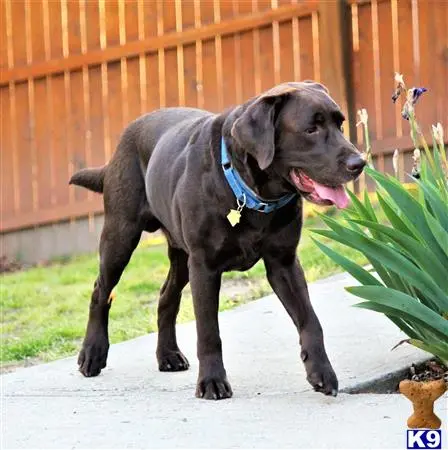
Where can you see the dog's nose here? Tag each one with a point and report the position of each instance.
(355, 164)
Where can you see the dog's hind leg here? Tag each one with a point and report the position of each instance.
(169, 357)
(119, 238)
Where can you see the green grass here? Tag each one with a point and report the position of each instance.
(44, 309)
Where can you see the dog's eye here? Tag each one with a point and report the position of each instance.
(311, 130)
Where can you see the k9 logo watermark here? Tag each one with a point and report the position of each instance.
(424, 439)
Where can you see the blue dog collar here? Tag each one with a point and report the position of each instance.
(245, 196)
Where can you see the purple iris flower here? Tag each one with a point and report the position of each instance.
(416, 94)
(411, 99)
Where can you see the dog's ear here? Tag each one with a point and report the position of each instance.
(254, 130)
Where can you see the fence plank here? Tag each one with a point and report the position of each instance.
(229, 62)
(267, 56)
(386, 70)
(238, 67)
(131, 20)
(198, 56)
(296, 49)
(133, 94)
(6, 155)
(189, 75)
(18, 36)
(306, 49)
(59, 137)
(210, 86)
(428, 64)
(93, 36)
(77, 131)
(153, 85)
(256, 49)
(179, 56)
(112, 22)
(37, 31)
(114, 106)
(73, 27)
(218, 56)
(396, 62)
(187, 14)
(4, 38)
(23, 139)
(161, 55)
(335, 73)
(142, 80)
(286, 52)
(43, 145)
(276, 45)
(97, 112)
(365, 99)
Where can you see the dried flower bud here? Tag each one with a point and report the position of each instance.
(395, 161)
(416, 166)
(416, 156)
(400, 86)
(437, 132)
(399, 79)
(363, 117)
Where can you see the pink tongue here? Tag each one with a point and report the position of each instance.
(337, 195)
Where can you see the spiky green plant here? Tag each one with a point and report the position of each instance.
(408, 253)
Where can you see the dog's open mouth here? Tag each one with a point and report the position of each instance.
(319, 193)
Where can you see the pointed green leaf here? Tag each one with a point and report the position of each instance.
(438, 350)
(394, 218)
(369, 207)
(403, 326)
(354, 269)
(403, 305)
(440, 235)
(357, 204)
(438, 206)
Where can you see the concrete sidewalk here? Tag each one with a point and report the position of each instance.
(132, 405)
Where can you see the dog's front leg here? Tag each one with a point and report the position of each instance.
(205, 284)
(288, 281)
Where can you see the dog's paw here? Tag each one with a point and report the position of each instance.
(93, 356)
(213, 388)
(321, 375)
(173, 361)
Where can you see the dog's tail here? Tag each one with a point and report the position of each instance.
(92, 179)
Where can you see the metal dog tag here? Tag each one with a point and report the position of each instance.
(234, 217)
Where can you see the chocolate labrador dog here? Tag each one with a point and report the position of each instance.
(227, 191)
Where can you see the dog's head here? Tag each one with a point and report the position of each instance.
(294, 131)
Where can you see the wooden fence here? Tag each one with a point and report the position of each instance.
(74, 73)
